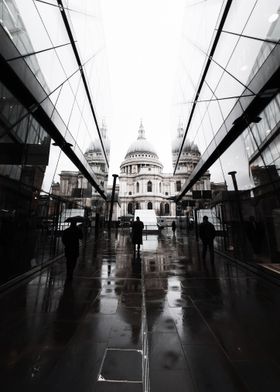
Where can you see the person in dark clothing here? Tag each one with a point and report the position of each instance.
(173, 226)
(70, 239)
(207, 234)
(137, 230)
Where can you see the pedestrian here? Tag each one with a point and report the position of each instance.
(207, 234)
(70, 239)
(137, 231)
(173, 226)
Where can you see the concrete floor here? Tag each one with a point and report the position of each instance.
(163, 322)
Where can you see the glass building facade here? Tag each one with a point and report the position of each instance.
(229, 105)
(54, 98)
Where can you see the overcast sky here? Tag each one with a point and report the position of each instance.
(142, 38)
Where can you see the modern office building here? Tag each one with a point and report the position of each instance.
(233, 117)
(74, 187)
(50, 120)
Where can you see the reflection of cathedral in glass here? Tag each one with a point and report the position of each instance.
(144, 185)
(74, 186)
(95, 157)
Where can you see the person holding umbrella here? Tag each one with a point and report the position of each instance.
(70, 239)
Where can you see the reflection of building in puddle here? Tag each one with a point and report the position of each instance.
(174, 283)
(158, 284)
(107, 304)
(123, 265)
(122, 241)
(150, 242)
(156, 264)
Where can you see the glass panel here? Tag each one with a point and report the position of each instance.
(75, 82)
(65, 102)
(86, 27)
(22, 21)
(67, 59)
(238, 16)
(263, 20)
(51, 69)
(53, 23)
(243, 59)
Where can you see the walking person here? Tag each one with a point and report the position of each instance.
(173, 227)
(70, 239)
(207, 234)
(137, 231)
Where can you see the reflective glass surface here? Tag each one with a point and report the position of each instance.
(214, 100)
(54, 104)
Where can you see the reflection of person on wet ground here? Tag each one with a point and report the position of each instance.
(66, 301)
(137, 231)
(66, 310)
(173, 227)
(133, 294)
(207, 234)
(136, 266)
(209, 269)
(70, 239)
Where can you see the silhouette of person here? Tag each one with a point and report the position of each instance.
(70, 239)
(207, 234)
(173, 226)
(137, 230)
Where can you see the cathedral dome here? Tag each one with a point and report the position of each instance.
(141, 145)
(95, 146)
(188, 146)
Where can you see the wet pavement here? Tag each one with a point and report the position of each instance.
(163, 322)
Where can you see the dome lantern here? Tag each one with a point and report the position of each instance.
(141, 145)
(141, 132)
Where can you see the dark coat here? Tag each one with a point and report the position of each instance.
(137, 230)
(207, 232)
(70, 239)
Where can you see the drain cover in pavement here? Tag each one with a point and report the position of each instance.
(122, 366)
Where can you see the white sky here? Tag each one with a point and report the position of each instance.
(142, 38)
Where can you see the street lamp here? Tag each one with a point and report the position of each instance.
(233, 177)
(235, 186)
(115, 176)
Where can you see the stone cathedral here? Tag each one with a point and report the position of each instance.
(142, 182)
(144, 185)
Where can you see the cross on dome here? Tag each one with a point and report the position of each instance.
(180, 130)
(141, 131)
